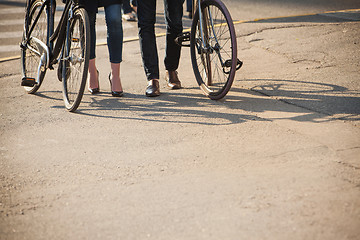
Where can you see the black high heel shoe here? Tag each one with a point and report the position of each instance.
(115, 93)
(95, 90)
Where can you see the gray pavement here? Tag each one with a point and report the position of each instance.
(277, 158)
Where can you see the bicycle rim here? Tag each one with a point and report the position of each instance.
(76, 60)
(29, 59)
(214, 50)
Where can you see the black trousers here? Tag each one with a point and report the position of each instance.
(146, 21)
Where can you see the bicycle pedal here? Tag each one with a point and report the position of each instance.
(238, 64)
(28, 82)
(183, 39)
(228, 64)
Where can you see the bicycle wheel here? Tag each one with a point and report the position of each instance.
(76, 59)
(213, 49)
(30, 58)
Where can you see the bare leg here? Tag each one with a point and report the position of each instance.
(93, 79)
(115, 77)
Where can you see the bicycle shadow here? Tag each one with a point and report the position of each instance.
(307, 100)
(336, 102)
(174, 107)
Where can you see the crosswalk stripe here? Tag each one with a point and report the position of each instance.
(22, 10)
(9, 48)
(13, 20)
(12, 10)
(18, 34)
(5, 35)
(7, 22)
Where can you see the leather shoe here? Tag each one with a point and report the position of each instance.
(172, 79)
(153, 88)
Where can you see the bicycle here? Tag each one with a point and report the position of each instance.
(68, 45)
(213, 47)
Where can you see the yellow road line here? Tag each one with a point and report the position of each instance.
(189, 29)
(301, 15)
(9, 58)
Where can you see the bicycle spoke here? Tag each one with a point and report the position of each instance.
(213, 63)
(30, 53)
(76, 60)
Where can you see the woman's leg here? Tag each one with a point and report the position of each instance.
(115, 43)
(94, 75)
(115, 77)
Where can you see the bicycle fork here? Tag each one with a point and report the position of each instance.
(227, 63)
(36, 46)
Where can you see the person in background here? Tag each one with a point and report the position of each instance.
(134, 5)
(129, 12)
(146, 11)
(114, 41)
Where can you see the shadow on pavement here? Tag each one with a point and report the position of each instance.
(328, 99)
(169, 107)
(309, 98)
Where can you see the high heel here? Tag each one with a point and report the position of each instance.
(115, 93)
(95, 90)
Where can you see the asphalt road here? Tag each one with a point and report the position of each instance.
(277, 158)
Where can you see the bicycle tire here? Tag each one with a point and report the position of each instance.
(76, 59)
(215, 64)
(29, 60)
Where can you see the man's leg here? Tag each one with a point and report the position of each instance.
(146, 23)
(173, 18)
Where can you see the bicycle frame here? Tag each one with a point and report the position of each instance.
(52, 53)
(202, 18)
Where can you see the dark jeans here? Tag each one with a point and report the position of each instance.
(146, 22)
(114, 32)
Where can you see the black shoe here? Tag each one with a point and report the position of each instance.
(115, 93)
(153, 88)
(172, 79)
(95, 90)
